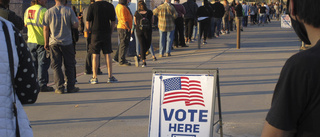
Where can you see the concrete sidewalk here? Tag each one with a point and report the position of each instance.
(247, 79)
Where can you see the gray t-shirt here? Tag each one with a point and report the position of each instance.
(60, 20)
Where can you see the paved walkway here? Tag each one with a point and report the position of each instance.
(247, 79)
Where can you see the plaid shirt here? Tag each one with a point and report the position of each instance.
(166, 14)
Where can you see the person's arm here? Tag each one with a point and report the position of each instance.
(88, 26)
(46, 37)
(270, 131)
(113, 25)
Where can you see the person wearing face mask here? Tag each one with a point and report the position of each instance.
(295, 105)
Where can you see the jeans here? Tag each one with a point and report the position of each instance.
(225, 22)
(166, 40)
(262, 18)
(124, 37)
(215, 23)
(195, 31)
(63, 54)
(41, 62)
(245, 21)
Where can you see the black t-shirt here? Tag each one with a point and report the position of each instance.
(263, 9)
(101, 13)
(148, 15)
(296, 100)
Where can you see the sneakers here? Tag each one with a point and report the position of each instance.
(93, 81)
(144, 64)
(74, 90)
(112, 79)
(46, 89)
(136, 61)
(168, 54)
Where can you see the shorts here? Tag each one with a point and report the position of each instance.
(100, 42)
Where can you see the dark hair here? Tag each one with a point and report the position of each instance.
(308, 11)
(123, 2)
(142, 6)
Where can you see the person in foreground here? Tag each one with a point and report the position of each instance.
(25, 81)
(295, 107)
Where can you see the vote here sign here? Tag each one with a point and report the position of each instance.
(182, 105)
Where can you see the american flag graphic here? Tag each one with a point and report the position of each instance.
(183, 89)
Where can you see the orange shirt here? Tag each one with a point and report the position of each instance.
(123, 15)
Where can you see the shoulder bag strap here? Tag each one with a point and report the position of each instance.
(10, 55)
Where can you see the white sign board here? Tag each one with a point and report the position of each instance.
(285, 21)
(182, 105)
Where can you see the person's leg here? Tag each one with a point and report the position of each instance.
(68, 54)
(95, 58)
(137, 43)
(205, 30)
(124, 36)
(211, 34)
(56, 64)
(180, 32)
(218, 26)
(190, 27)
(176, 38)
(186, 21)
(201, 29)
(170, 37)
(162, 41)
(43, 66)
(88, 66)
(109, 64)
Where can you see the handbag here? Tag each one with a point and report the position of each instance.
(10, 55)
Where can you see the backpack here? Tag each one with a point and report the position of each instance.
(144, 23)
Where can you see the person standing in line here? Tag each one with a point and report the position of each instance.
(87, 35)
(204, 13)
(239, 14)
(103, 17)
(143, 20)
(59, 42)
(179, 31)
(226, 18)
(253, 14)
(295, 103)
(124, 30)
(267, 12)
(245, 10)
(231, 15)
(190, 18)
(166, 14)
(277, 10)
(218, 12)
(33, 19)
(262, 14)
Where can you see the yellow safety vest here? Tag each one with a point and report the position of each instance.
(33, 18)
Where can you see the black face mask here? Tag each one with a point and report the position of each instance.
(299, 28)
